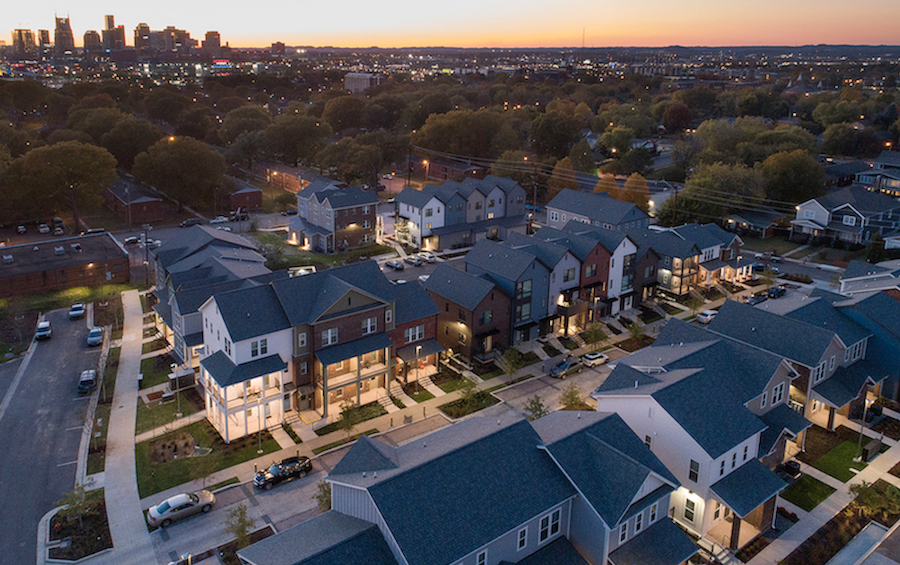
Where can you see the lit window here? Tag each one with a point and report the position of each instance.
(689, 510)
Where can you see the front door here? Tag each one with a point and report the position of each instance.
(488, 343)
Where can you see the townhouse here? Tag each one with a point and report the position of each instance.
(522, 276)
(474, 314)
(714, 411)
(459, 214)
(678, 270)
(863, 279)
(594, 208)
(721, 254)
(851, 215)
(309, 343)
(575, 488)
(826, 349)
(333, 217)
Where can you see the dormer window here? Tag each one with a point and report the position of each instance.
(849, 220)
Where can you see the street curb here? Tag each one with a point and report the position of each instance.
(7, 399)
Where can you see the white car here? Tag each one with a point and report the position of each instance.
(428, 256)
(594, 358)
(706, 316)
(219, 220)
(44, 228)
(180, 506)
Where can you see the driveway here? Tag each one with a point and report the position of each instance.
(40, 434)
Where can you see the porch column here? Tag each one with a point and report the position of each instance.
(223, 421)
(324, 390)
(831, 418)
(281, 389)
(358, 382)
(735, 532)
(768, 517)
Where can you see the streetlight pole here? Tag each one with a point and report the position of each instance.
(418, 349)
(862, 426)
(147, 228)
(177, 390)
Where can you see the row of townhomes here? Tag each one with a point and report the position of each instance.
(576, 488)
(333, 217)
(852, 214)
(722, 406)
(458, 214)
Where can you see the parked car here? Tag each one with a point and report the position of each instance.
(776, 292)
(428, 256)
(413, 260)
(76, 311)
(423, 278)
(44, 331)
(394, 264)
(180, 506)
(291, 212)
(87, 382)
(569, 366)
(191, 222)
(58, 230)
(43, 228)
(95, 337)
(223, 228)
(133, 240)
(20, 230)
(789, 470)
(594, 358)
(399, 281)
(218, 220)
(706, 316)
(290, 468)
(757, 299)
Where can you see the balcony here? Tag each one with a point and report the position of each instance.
(571, 307)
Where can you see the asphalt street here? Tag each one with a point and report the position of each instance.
(40, 434)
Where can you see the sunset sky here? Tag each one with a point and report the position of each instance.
(475, 23)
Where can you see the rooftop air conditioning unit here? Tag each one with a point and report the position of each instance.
(59, 250)
(7, 259)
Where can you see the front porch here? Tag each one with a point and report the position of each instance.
(749, 494)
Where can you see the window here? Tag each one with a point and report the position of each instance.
(563, 217)
(569, 275)
(329, 337)
(623, 533)
(263, 346)
(523, 539)
(689, 510)
(849, 220)
(388, 316)
(490, 203)
(819, 372)
(590, 271)
(523, 289)
(428, 212)
(369, 326)
(301, 339)
(722, 468)
(718, 511)
(523, 311)
(831, 364)
(486, 317)
(638, 522)
(647, 441)
(746, 448)
(648, 272)
(304, 368)
(254, 348)
(653, 511)
(694, 471)
(778, 393)
(762, 401)
(427, 225)
(733, 459)
(462, 338)
(414, 334)
(554, 216)
(481, 559)
(549, 526)
(365, 209)
(478, 205)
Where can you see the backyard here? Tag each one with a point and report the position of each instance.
(833, 452)
(155, 370)
(280, 255)
(158, 413)
(807, 492)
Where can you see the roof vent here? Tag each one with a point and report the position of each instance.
(375, 475)
(753, 329)
(424, 444)
(59, 250)
(635, 384)
(76, 248)
(498, 422)
(364, 473)
(35, 248)
(7, 259)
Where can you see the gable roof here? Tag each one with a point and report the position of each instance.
(549, 253)
(251, 312)
(609, 239)
(820, 313)
(195, 238)
(500, 259)
(863, 200)
(665, 243)
(600, 208)
(860, 269)
(580, 245)
(459, 287)
(706, 235)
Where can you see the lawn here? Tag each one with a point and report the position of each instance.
(366, 412)
(839, 461)
(420, 395)
(281, 255)
(807, 492)
(156, 344)
(97, 449)
(156, 370)
(451, 385)
(529, 358)
(777, 245)
(161, 414)
(833, 452)
(568, 343)
(461, 407)
(155, 477)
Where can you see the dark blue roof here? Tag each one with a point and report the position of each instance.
(597, 207)
(227, 373)
(457, 286)
(251, 312)
(847, 382)
(883, 310)
(558, 552)
(857, 269)
(367, 455)
(780, 419)
(502, 260)
(419, 349)
(663, 543)
(747, 487)
(822, 314)
(468, 497)
(355, 348)
(327, 539)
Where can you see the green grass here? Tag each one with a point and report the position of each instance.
(550, 350)
(339, 443)
(366, 412)
(460, 407)
(529, 358)
(225, 483)
(839, 461)
(64, 298)
(157, 477)
(154, 345)
(491, 374)
(420, 396)
(450, 386)
(161, 414)
(568, 343)
(807, 492)
(671, 310)
(97, 450)
(504, 385)
(145, 304)
(153, 377)
(291, 256)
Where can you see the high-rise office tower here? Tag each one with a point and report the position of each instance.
(92, 43)
(23, 44)
(212, 45)
(142, 39)
(63, 37)
(113, 37)
(45, 46)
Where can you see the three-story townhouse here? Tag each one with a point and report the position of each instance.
(597, 209)
(332, 216)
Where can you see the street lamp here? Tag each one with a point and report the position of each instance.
(259, 448)
(174, 367)
(425, 162)
(862, 426)
(147, 228)
(418, 349)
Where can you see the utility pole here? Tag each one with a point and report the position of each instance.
(147, 228)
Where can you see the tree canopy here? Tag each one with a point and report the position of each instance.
(184, 168)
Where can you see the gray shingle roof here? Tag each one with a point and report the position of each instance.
(779, 419)
(558, 552)
(858, 269)
(747, 487)
(251, 312)
(705, 236)
(500, 259)
(458, 286)
(327, 539)
(665, 243)
(597, 207)
(609, 239)
(581, 246)
(663, 543)
(227, 373)
(891, 158)
(864, 201)
(822, 314)
(193, 239)
(882, 309)
(549, 253)
(847, 382)
(778, 334)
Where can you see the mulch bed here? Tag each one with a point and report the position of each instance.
(176, 446)
(820, 441)
(750, 550)
(820, 547)
(109, 312)
(889, 427)
(634, 343)
(88, 540)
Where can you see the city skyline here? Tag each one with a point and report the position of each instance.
(527, 24)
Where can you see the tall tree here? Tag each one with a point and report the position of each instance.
(582, 157)
(294, 139)
(182, 167)
(563, 177)
(637, 191)
(243, 119)
(554, 133)
(343, 113)
(129, 138)
(792, 176)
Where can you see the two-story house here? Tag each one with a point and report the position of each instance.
(333, 217)
(320, 339)
(678, 269)
(721, 253)
(522, 276)
(851, 214)
(713, 410)
(474, 313)
(574, 488)
(597, 209)
(825, 348)
(458, 214)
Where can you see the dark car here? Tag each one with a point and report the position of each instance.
(291, 212)
(191, 222)
(87, 382)
(776, 292)
(413, 260)
(757, 299)
(290, 468)
(566, 368)
(396, 265)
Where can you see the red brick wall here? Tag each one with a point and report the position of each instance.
(61, 279)
(141, 212)
(430, 324)
(249, 200)
(348, 227)
(349, 327)
(600, 257)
